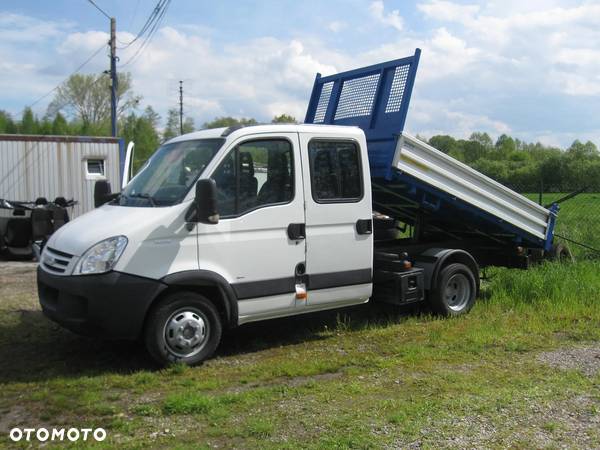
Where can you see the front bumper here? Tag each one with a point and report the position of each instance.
(111, 305)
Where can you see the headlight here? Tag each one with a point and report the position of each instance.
(102, 257)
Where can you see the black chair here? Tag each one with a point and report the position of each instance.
(41, 223)
(18, 233)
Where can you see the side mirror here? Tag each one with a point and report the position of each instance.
(206, 201)
(101, 193)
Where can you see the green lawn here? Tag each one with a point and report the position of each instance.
(369, 377)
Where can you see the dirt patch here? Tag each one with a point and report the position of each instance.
(18, 289)
(571, 423)
(584, 359)
(285, 381)
(16, 415)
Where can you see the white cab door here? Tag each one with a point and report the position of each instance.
(260, 193)
(339, 239)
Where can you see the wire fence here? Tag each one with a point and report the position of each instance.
(578, 221)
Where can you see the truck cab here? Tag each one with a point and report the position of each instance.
(227, 226)
(221, 227)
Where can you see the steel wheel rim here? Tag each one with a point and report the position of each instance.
(457, 292)
(186, 332)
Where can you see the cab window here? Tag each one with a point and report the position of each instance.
(255, 174)
(335, 171)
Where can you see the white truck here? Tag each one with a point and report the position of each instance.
(228, 226)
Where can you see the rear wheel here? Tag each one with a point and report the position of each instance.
(455, 290)
(184, 327)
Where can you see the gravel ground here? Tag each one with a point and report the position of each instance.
(567, 423)
(584, 359)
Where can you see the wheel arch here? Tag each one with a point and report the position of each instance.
(435, 259)
(210, 284)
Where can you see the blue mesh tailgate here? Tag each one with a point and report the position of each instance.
(374, 98)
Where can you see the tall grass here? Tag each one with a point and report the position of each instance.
(548, 284)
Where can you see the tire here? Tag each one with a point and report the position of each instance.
(455, 291)
(184, 327)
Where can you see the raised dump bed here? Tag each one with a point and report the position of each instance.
(458, 200)
(412, 181)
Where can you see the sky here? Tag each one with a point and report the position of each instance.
(530, 69)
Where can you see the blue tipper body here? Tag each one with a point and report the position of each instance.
(376, 99)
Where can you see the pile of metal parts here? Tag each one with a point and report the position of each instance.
(26, 226)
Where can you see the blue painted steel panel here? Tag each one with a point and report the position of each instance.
(552, 222)
(452, 210)
(374, 98)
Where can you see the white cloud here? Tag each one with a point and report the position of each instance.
(448, 11)
(336, 26)
(431, 117)
(496, 66)
(259, 78)
(392, 19)
(17, 28)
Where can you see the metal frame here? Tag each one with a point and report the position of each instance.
(381, 128)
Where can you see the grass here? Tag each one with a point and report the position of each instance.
(578, 219)
(368, 377)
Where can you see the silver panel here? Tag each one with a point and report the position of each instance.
(437, 169)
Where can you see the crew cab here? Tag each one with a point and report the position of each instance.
(227, 226)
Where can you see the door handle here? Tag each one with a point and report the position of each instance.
(364, 226)
(296, 231)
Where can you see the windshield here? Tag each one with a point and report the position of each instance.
(169, 174)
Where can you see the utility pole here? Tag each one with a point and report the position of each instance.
(180, 106)
(114, 84)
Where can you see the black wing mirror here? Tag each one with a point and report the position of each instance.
(102, 193)
(206, 201)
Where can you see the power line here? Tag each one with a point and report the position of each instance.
(81, 66)
(151, 18)
(99, 9)
(150, 34)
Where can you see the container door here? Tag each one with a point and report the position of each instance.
(339, 238)
(258, 244)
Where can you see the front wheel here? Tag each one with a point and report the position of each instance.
(455, 290)
(184, 327)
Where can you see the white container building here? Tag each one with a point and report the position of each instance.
(58, 166)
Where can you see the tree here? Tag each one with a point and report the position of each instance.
(284, 118)
(143, 132)
(29, 123)
(147, 138)
(579, 150)
(472, 150)
(172, 127)
(45, 126)
(506, 144)
(188, 125)
(7, 125)
(482, 138)
(221, 122)
(60, 126)
(443, 143)
(86, 98)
